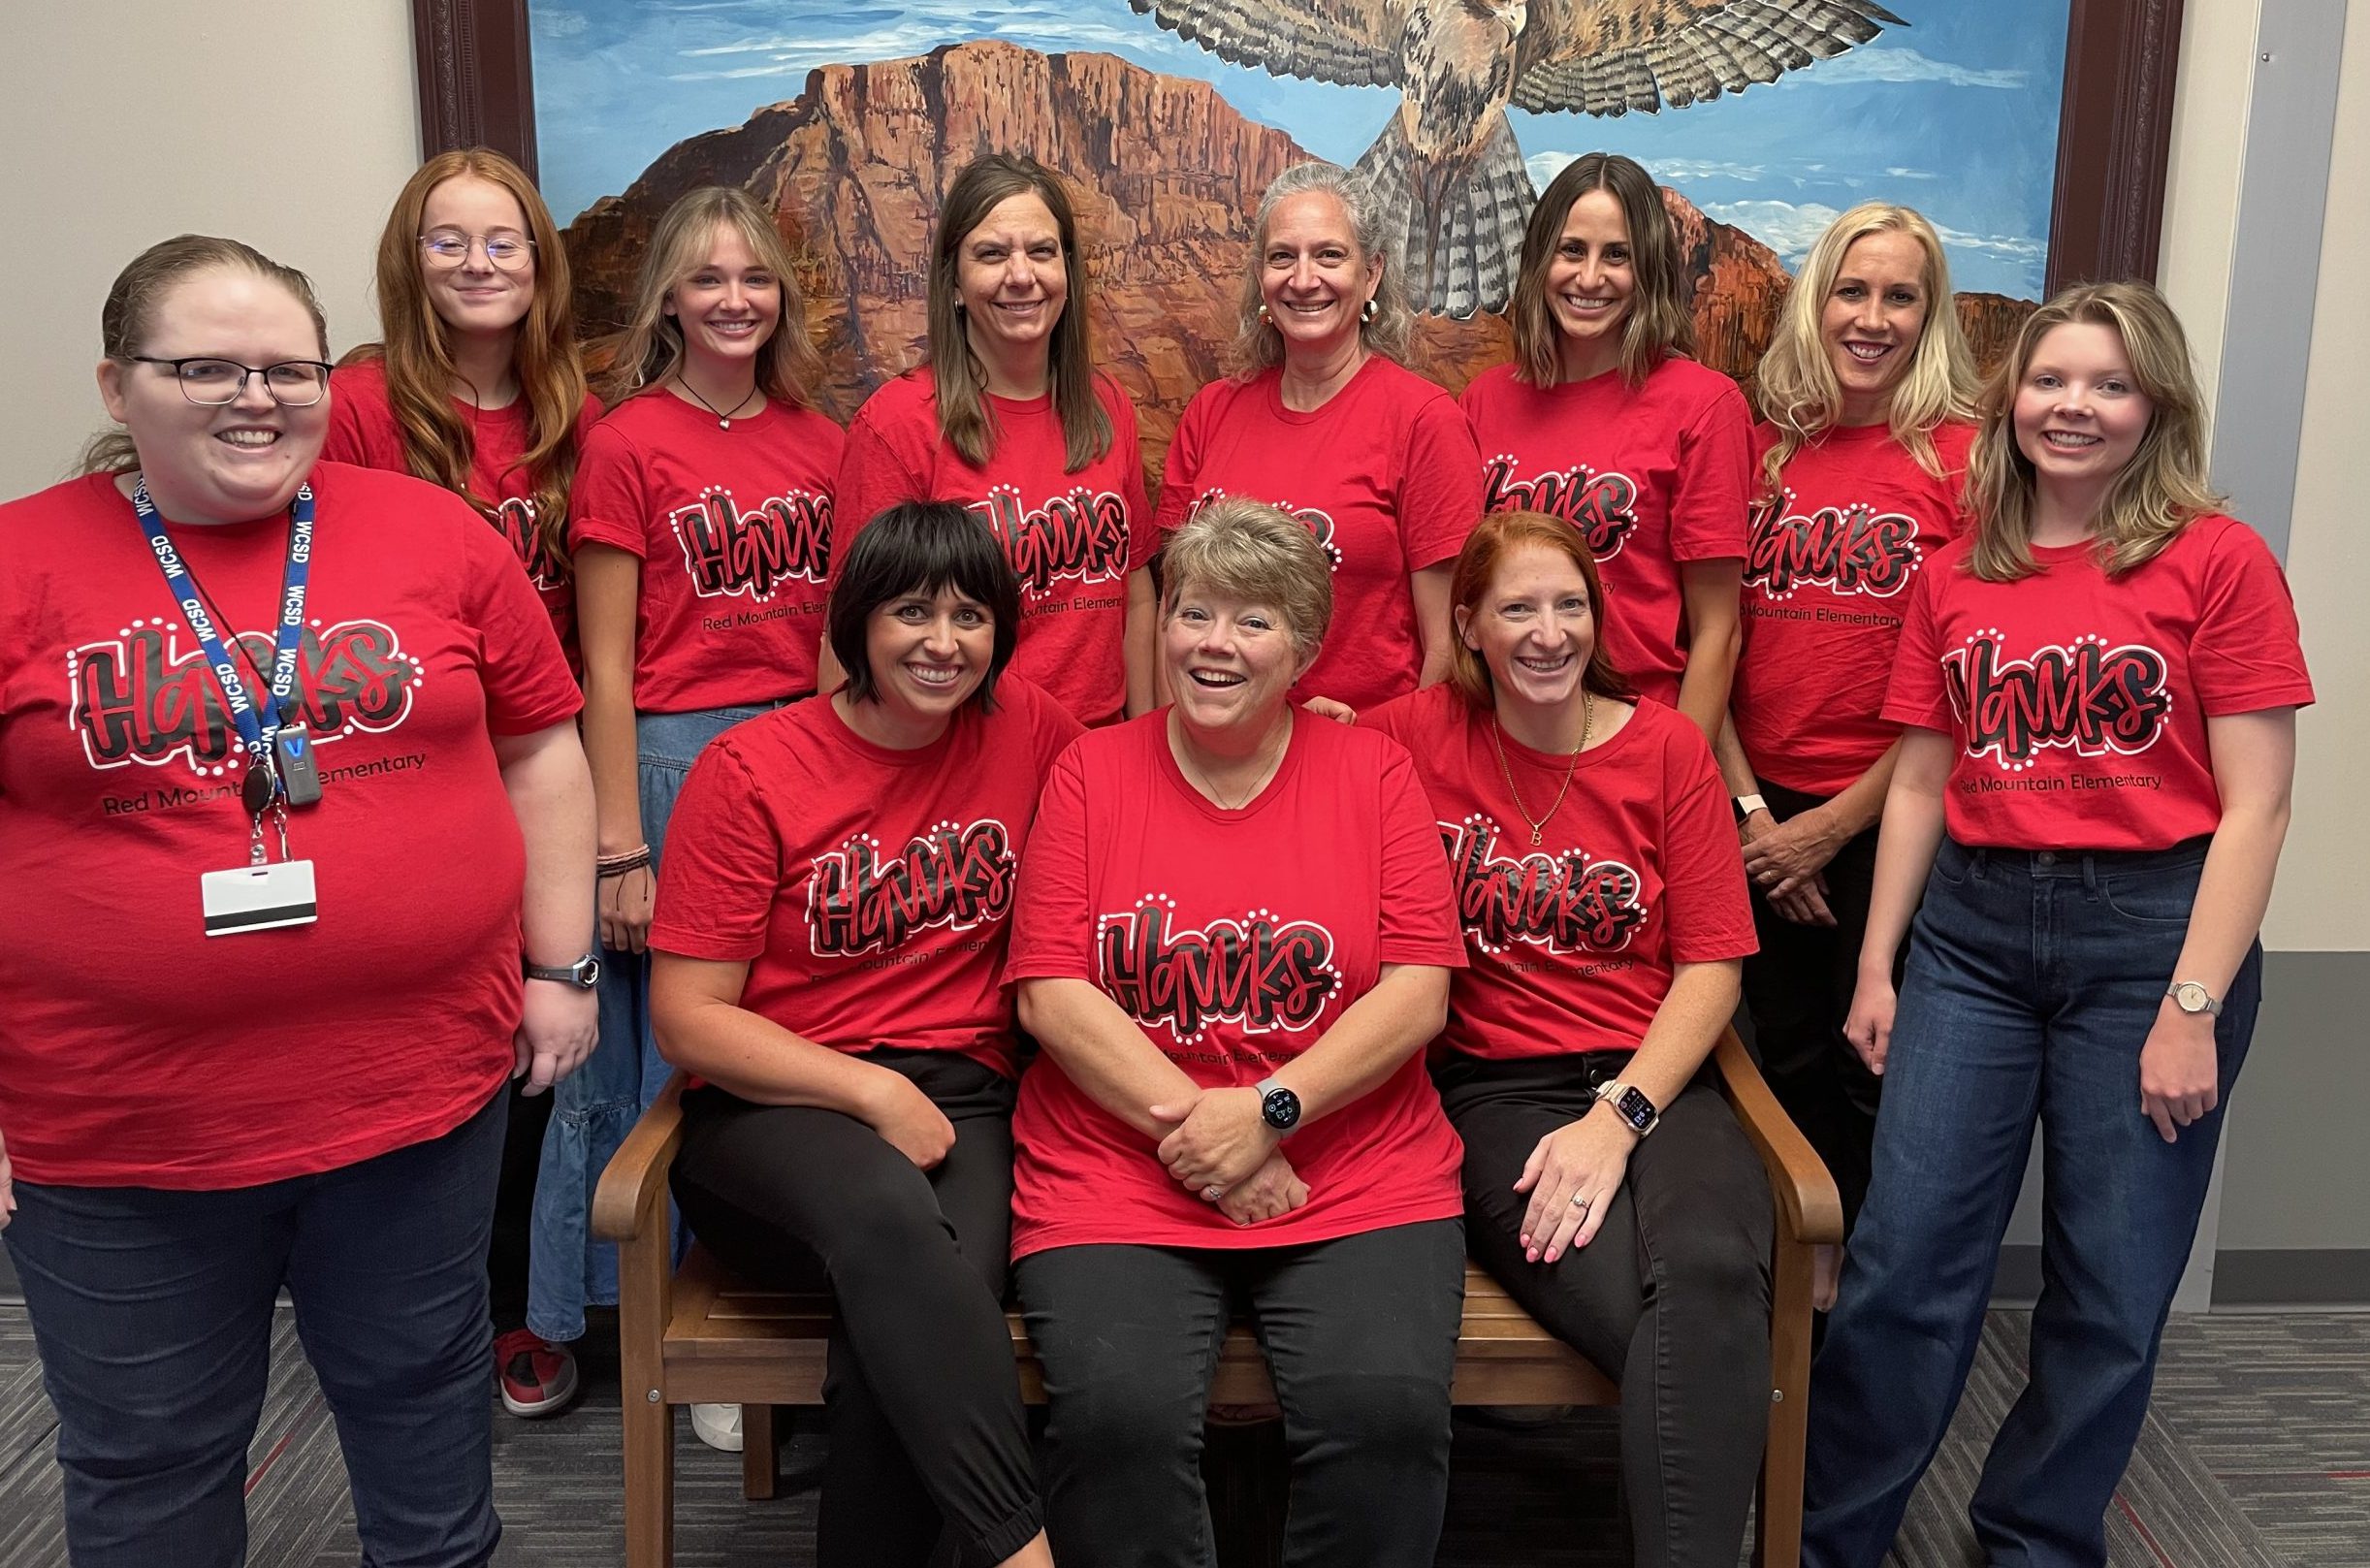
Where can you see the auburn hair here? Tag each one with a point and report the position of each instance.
(416, 353)
(1657, 324)
(1497, 536)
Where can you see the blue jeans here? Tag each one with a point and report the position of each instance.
(2032, 982)
(153, 1316)
(595, 1106)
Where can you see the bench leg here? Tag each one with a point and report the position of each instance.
(1778, 1523)
(760, 1465)
(650, 1481)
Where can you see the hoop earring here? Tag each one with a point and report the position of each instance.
(1368, 311)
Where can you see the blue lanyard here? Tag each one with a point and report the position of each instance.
(255, 727)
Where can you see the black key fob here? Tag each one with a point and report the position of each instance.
(257, 790)
(292, 753)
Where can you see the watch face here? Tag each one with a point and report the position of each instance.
(2191, 997)
(1281, 1108)
(587, 972)
(1633, 1107)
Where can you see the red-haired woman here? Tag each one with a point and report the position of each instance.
(1603, 420)
(478, 387)
(1604, 913)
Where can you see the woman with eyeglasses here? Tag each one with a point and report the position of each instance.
(478, 387)
(289, 773)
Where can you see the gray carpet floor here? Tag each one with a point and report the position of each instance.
(2257, 1455)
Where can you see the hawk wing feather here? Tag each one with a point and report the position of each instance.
(1578, 55)
(1352, 43)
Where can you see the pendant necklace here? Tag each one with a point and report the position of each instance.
(723, 419)
(1538, 826)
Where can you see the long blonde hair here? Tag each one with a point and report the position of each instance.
(1799, 392)
(1658, 324)
(650, 348)
(1258, 345)
(439, 445)
(2157, 493)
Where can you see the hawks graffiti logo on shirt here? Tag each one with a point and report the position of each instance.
(2086, 696)
(1082, 534)
(146, 698)
(783, 539)
(956, 875)
(1317, 522)
(515, 521)
(1563, 902)
(1265, 973)
(1851, 549)
(1603, 506)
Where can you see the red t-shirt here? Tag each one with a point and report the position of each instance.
(1654, 475)
(1073, 537)
(733, 530)
(1572, 942)
(2077, 703)
(363, 429)
(867, 888)
(135, 1050)
(1825, 589)
(1234, 940)
(1381, 474)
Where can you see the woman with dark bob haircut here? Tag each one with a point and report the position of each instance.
(828, 956)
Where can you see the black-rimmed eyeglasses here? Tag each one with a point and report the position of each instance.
(209, 383)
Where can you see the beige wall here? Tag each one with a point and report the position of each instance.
(103, 157)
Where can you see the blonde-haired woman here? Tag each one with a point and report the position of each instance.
(2099, 683)
(1321, 421)
(1868, 390)
(478, 387)
(1011, 418)
(1604, 420)
(701, 519)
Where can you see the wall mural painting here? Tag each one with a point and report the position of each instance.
(1763, 118)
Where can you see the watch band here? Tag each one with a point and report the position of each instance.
(2204, 1000)
(1629, 1102)
(1747, 804)
(584, 974)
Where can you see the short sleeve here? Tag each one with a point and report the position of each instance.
(1054, 728)
(1182, 474)
(2248, 654)
(524, 672)
(1440, 486)
(362, 429)
(1707, 913)
(723, 867)
(1419, 906)
(872, 478)
(606, 504)
(1053, 935)
(1916, 695)
(1714, 490)
(1128, 447)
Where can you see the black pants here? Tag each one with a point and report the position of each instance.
(1361, 1338)
(1672, 1299)
(1798, 988)
(514, 1205)
(927, 1432)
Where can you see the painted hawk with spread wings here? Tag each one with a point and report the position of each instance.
(1447, 165)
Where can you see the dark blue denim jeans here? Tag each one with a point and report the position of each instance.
(153, 1316)
(2032, 982)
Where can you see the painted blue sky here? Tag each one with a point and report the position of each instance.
(1955, 115)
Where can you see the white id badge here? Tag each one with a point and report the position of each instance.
(258, 898)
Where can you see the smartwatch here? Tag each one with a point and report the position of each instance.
(1747, 804)
(1637, 1112)
(2192, 997)
(583, 974)
(1278, 1106)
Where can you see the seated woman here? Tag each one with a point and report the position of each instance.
(829, 941)
(1232, 938)
(1604, 910)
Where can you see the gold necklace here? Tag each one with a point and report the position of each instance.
(1208, 786)
(1498, 733)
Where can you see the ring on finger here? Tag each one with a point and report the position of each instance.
(1578, 1202)
(1212, 1193)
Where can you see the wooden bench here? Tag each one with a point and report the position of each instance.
(696, 1336)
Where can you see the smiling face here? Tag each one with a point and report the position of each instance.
(1231, 662)
(727, 307)
(245, 459)
(1533, 626)
(1872, 319)
(928, 653)
(1590, 283)
(2079, 413)
(1312, 277)
(477, 297)
(1013, 278)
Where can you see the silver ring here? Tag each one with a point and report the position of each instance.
(1212, 1193)
(1578, 1202)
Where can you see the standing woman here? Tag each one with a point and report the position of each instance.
(1320, 420)
(1604, 954)
(479, 388)
(1012, 419)
(288, 759)
(1868, 388)
(701, 518)
(1604, 421)
(2101, 684)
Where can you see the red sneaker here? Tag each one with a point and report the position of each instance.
(538, 1378)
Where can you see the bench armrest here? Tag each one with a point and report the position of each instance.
(1806, 1192)
(633, 1187)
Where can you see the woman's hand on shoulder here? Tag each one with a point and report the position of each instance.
(908, 1120)
(1572, 1176)
(558, 1026)
(1869, 1025)
(1271, 1192)
(1340, 713)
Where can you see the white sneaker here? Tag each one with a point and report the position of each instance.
(718, 1426)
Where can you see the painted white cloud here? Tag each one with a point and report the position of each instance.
(795, 56)
(1792, 228)
(1876, 62)
(1546, 166)
(559, 23)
